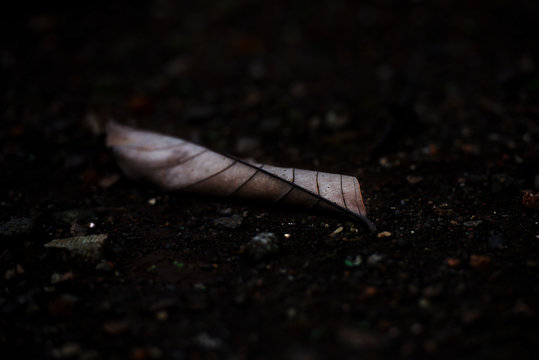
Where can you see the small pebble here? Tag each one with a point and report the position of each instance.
(374, 259)
(104, 266)
(335, 121)
(230, 222)
(225, 211)
(161, 315)
(385, 163)
(57, 277)
(452, 262)
(336, 231)
(115, 327)
(472, 223)
(479, 261)
(107, 181)
(68, 350)
(9, 274)
(262, 245)
(383, 234)
(414, 179)
(16, 227)
(208, 342)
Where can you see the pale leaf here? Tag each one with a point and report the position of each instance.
(177, 164)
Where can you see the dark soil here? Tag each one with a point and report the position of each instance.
(432, 105)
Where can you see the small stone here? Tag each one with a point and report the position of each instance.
(9, 274)
(152, 201)
(472, 223)
(414, 179)
(108, 180)
(68, 350)
(291, 313)
(57, 278)
(433, 290)
(230, 222)
(16, 227)
(383, 234)
(369, 292)
(115, 327)
(225, 211)
(374, 259)
(262, 245)
(161, 315)
(480, 261)
(104, 266)
(385, 163)
(19, 269)
(208, 342)
(423, 303)
(452, 262)
(335, 121)
(89, 247)
(336, 231)
(471, 315)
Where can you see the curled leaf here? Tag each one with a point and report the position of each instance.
(177, 164)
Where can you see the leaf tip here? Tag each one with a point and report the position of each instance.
(370, 225)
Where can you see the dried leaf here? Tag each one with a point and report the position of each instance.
(177, 164)
(89, 247)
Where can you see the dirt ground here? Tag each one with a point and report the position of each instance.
(432, 105)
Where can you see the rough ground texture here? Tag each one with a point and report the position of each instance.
(432, 105)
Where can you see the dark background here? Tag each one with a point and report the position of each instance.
(433, 105)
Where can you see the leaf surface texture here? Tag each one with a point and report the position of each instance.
(177, 164)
